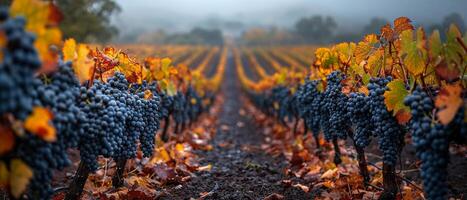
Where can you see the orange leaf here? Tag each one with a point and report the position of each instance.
(148, 94)
(448, 102)
(402, 24)
(403, 116)
(38, 123)
(3, 42)
(20, 175)
(7, 139)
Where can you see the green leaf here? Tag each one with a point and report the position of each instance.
(453, 48)
(414, 51)
(394, 97)
(436, 47)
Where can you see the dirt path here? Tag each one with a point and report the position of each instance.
(240, 170)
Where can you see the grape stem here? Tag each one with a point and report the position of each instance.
(337, 152)
(165, 137)
(117, 179)
(76, 187)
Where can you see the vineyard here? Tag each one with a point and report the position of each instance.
(382, 118)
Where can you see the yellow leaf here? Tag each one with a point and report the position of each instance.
(166, 62)
(364, 48)
(39, 123)
(20, 176)
(69, 50)
(83, 65)
(4, 174)
(171, 89)
(414, 51)
(331, 173)
(147, 94)
(161, 155)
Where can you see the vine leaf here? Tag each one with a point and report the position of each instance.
(19, 176)
(7, 139)
(448, 102)
(363, 48)
(375, 62)
(436, 47)
(69, 50)
(444, 72)
(40, 21)
(38, 123)
(3, 42)
(394, 100)
(3, 174)
(79, 56)
(401, 24)
(414, 50)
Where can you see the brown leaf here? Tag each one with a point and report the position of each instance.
(387, 32)
(7, 139)
(444, 72)
(55, 15)
(141, 193)
(163, 172)
(402, 24)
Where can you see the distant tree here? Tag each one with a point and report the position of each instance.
(316, 29)
(374, 26)
(443, 27)
(207, 36)
(453, 18)
(88, 20)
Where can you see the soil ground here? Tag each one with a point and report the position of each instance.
(240, 170)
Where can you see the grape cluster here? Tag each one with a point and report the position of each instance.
(335, 102)
(20, 90)
(390, 133)
(102, 130)
(180, 113)
(150, 111)
(359, 110)
(308, 98)
(431, 142)
(195, 103)
(19, 64)
(281, 96)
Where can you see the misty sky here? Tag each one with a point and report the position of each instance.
(180, 15)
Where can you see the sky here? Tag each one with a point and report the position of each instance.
(182, 15)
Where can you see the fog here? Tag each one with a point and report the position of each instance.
(237, 15)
